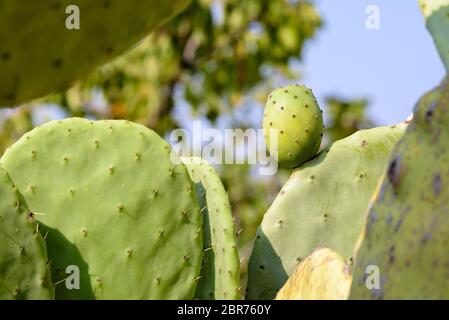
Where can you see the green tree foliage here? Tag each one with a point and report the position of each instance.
(346, 117)
(215, 52)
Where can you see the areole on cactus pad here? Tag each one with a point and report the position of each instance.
(114, 205)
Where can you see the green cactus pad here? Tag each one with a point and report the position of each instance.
(114, 205)
(221, 267)
(322, 204)
(39, 55)
(436, 13)
(407, 227)
(24, 272)
(293, 114)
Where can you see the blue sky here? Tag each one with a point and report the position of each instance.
(392, 66)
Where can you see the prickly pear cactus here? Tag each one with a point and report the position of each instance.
(407, 226)
(293, 114)
(324, 275)
(24, 272)
(114, 205)
(221, 268)
(322, 204)
(436, 13)
(39, 58)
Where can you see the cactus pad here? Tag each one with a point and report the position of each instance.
(436, 13)
(24, 272)
(39, 55)
(293, 113)
(407, 226)
(114, 205)
(221, 267)
(323, 275)
(323, 204)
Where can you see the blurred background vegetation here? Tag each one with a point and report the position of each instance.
(216, 62)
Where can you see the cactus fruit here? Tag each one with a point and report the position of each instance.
(295, 115)
(407, 226)
(221, 267)
(24, 272)
(324, 275)
(322, 204)
(40, 55)
(114, 205)
(436, 13)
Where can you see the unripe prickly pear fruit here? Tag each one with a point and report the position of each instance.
(295, 115)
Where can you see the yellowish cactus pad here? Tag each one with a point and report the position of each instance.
(323, 275)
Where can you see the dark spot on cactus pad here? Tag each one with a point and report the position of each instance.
(394, 170)
(426, 238)
(389, 218)
(55, 5)
(437, 184)
(109, 50)
(391, 255)
(398, 224)
(106, 3)
(430, 111)
(57, 63)
(372, 218)
(282, 108)
(5, 56)
(261, 267)
(10, 97)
